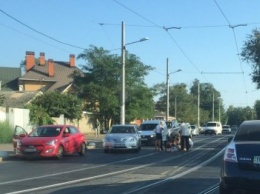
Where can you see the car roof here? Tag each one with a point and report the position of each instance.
(251, 122)
(152, 121)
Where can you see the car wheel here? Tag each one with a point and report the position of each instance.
(223, 190)
(60, 153)
(82, 149)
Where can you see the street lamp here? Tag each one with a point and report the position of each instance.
(167, 95)
(122, 115)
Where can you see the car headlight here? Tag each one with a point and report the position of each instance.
(132, 139)
(52, 142)
(153, 135)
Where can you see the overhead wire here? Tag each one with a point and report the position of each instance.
(37, 31)
(234, 34)
(164, 28)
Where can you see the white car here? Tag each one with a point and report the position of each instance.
(122, 137)
(194, 130)
(226, 129)
(213, 127)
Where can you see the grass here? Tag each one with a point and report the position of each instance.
(6, 132)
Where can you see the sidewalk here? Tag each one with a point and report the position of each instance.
(6, 149)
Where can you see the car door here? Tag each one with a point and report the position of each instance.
(19, 133)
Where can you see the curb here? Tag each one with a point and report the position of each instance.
(5, 154)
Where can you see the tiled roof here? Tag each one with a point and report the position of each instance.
(9, 78)
(62, 75)
(16, 99)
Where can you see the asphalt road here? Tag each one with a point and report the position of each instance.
(149, 171)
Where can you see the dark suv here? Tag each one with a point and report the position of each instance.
(240, 169)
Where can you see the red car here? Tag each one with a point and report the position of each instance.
(49, 141)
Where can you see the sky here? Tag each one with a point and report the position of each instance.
(203, 38)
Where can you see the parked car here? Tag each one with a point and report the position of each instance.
(241, 162)
(147, 131)
(122, 137)
(226, 129)
(49, 141)
(202, 128)
(194, 130)
(213, 127)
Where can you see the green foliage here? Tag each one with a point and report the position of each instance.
(186, 103)
(236, 115)
(38, 115)
(2, 99)
(251, 53)
(257, 109)
(6, 132)
(53, 104)
(100, 85)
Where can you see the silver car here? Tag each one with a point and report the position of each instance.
(122, 137)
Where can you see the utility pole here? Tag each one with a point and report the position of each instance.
(167, 92)
(122, 115)
(198, 104)
(213, 107)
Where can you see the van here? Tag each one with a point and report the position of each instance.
(147, 130)
(213, 127)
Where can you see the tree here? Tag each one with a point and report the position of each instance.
(251, 53)
(257, 109)
(207, 91)
(2, 99)
(100, 84)
(236, 115)
(53, 104)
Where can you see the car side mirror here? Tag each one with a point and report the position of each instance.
(66, 134)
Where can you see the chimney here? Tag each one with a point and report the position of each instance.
(72, 60)
(51, 67)
(30, 62)
(42, 58)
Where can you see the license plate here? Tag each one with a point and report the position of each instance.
(143, 139)
(256, 160)
(119, 145)
(30, 149)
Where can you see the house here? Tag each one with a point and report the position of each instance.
(9, 78)
(42, 75)
(47, 75)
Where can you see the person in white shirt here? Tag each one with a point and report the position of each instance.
(185, 132)
(158, 136)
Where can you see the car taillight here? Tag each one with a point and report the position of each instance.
(230, 153)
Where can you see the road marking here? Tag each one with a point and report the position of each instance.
(117, 172)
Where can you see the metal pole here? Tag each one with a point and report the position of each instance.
(167, 95)
(213, 108)
(175, 108)
(198, 104)
(122, 116)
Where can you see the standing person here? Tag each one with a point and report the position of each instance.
(185, 135)
(158, 136)
(164, 136)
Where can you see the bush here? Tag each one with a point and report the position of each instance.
(6, 132)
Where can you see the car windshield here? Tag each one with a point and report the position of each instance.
(122, 129)
(211, 125)
(148, 127)
(45, 132)
(248, 133)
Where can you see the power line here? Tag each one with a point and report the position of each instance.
(54, 39)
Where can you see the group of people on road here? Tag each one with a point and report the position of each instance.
(175, 141)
